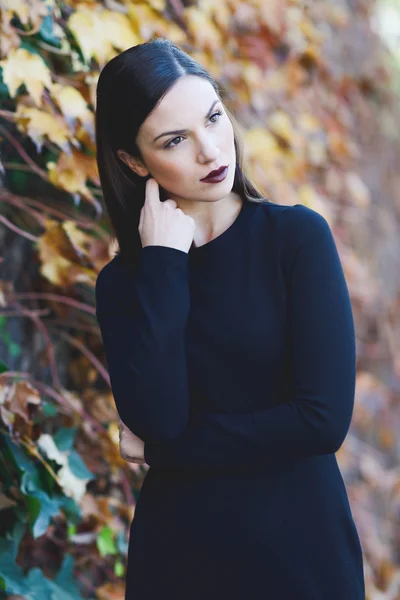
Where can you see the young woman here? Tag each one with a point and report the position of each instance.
(230, 343)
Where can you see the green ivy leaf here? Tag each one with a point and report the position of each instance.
(41, 509)
(4, 93)
(11, 575)
(64, 438)
(119, 568)
(34, 586)
(71, 509)
(78, 467)
(47, 31)
(49, 409)
(64, 585)
(30, 479)
(105, 542)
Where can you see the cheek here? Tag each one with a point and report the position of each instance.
(172, 172)
(228, 134)
(165, 169)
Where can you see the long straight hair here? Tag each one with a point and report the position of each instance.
(129, 87)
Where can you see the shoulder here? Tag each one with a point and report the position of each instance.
(297, 222)
(296, 226)
(299, 231)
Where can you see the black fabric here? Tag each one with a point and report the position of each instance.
(235, 363)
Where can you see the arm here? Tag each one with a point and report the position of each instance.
(322, 355)
(142, 318)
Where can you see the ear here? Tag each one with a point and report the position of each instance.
(135, 165)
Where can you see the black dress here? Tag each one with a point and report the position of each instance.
(235, 363)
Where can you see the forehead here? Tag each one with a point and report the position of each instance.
(185, 103)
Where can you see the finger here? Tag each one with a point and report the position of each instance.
(141, 219)
(152, 195)
(170, 202)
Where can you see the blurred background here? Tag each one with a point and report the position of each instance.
(315, 86)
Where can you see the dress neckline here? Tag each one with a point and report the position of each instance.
(225, 236)
(218, 244)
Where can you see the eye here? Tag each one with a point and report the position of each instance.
(218, 112)
(171, 145)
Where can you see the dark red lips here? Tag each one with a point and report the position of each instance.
(215, 173)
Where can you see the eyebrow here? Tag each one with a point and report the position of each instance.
(179, 131)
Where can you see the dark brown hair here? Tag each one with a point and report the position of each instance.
(129, 88)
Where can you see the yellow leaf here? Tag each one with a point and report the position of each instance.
(280, 124)
(18, 7)
(316, 152)
(308, 196)
(315, 141)
(84, 25)
(118, 30)
(100, 31)
(147, 23)
(23, 67)
(156, 5)
(340, 146)
(71, 172)
(27, 12)
(311, 32)
(259, 143)
(205, 33)
(309, 122)
(249, 71)
(39, 124)
(312, 53)
(9, 39)
(271, 13)
(221, 12)
(73, 105)
(357, 189)
(64, 253)
(58, 271)
(67, 240)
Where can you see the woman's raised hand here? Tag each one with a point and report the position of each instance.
(131, 447)
(162, 223)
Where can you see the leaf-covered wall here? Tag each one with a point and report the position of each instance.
(311, 86)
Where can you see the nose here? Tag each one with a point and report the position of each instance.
(208, 152)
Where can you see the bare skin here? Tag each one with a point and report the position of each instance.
(207, 144)
(195, 212)
(131, 447)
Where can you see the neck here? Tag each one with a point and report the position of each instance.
(214, 218)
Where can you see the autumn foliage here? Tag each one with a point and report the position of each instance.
(310, 85)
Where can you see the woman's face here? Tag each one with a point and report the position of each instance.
(178, 161)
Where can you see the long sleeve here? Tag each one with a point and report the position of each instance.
(317, 414)
(142, 317)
